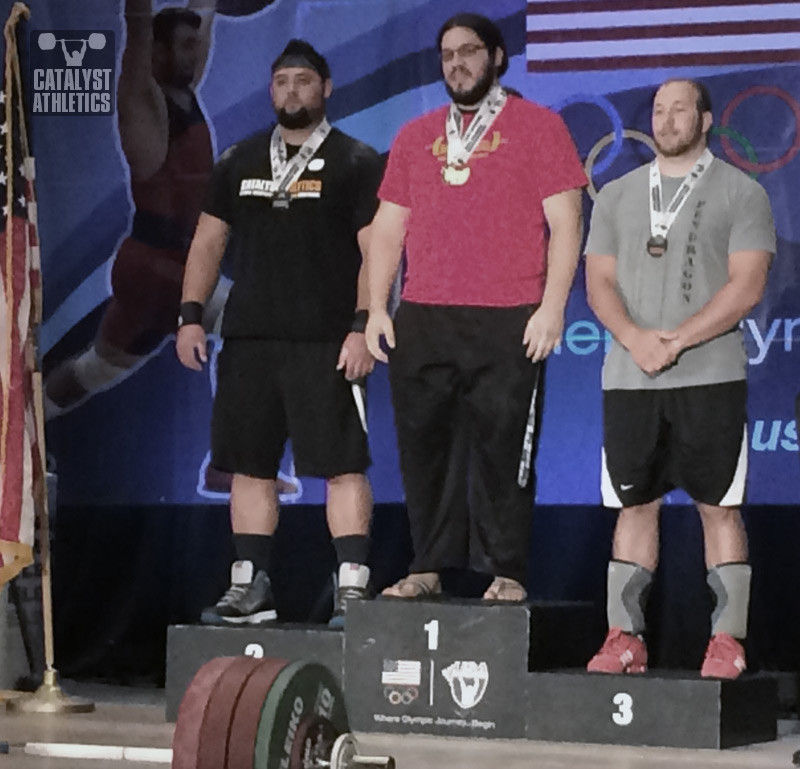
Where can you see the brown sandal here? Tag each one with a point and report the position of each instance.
(505, 589)
(420, 585)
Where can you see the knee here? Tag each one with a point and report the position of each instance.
(719, 517)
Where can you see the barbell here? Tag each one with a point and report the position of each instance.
(47, 41)
(247, 713)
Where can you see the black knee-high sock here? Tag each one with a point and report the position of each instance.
(354, 548)
(254, 547)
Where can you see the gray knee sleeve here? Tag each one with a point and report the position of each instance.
(730, 583)
(628, 589)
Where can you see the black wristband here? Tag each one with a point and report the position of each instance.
(191, 314)
(360, 321)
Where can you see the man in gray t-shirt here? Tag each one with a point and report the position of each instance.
(678, 254)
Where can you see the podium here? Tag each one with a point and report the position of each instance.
(492, 670)
(657, 709)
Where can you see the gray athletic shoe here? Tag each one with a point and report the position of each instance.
(248, 601)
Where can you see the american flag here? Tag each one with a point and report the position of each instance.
(20, 305)
(401, 673)
(570, 35)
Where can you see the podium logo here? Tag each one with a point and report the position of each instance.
(72, 72)
(401, 680)
(468, 682)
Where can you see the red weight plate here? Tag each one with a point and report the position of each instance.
(193, 707)
(247, 714)
(216, 726)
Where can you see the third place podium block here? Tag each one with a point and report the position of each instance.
(660, 709)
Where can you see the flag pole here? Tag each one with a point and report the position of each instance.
(49, 697)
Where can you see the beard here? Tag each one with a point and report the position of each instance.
(684, 146)
(300, 118)
(478, 91)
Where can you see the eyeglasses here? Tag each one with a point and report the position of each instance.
(466, 51)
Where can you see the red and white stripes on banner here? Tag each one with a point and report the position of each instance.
(575, 35)
(20, 311)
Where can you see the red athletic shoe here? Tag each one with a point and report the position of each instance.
(621, 653)
(724, 658)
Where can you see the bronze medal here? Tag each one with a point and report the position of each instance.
(657, 245)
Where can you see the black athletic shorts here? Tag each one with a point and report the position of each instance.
(268, 391)
(694, 438)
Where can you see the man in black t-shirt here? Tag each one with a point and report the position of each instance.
(295, 203)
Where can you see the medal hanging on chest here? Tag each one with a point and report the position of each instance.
(456, 175)
(286, 172)
(657, 245)
(660, 220)
(460, 147)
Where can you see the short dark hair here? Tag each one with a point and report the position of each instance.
(484, 28)
(300, 53)
(166, 21)
(702, 96)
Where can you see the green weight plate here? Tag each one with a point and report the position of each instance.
(302, 692)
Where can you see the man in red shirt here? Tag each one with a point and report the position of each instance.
(472, 189)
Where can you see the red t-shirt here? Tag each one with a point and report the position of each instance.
(484, 243)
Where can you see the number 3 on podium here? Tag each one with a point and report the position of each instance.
(624, 714)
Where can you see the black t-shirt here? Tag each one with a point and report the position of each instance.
(295, 270)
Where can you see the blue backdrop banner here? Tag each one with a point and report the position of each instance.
(143, 437)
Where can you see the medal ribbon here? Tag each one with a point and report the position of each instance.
(460, 148)
(661, 221)
(285, 173)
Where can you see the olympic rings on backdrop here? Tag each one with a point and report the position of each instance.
(773, 165)
(750, 150)
(589, 165)
(613, 116)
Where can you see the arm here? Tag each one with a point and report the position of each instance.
(202, 271)
(364, 239)
(206, 9)
(141, 106)
(747, 278)
(649, 348)
(383, 261)
(563, 214)
(354, 357)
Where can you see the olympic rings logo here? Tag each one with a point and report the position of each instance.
(728, 135)
(404, 696)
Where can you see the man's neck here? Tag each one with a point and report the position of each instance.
(681, 164)
(298, 136)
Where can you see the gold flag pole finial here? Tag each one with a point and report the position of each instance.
(49, 697)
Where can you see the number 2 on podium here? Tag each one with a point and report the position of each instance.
(624, 714)
(432, 629)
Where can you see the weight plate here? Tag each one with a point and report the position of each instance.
(312, 742)
(302, 692)
(192, 710)
(247, 714)
(216, 727)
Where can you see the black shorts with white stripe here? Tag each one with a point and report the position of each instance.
(269, 391)
(694, 438)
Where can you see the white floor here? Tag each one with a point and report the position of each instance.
(136, 718)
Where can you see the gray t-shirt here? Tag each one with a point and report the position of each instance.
(726, 212)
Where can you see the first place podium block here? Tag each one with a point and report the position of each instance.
(430, 667)
(657, 709)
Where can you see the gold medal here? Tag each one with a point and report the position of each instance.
(456, 175)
